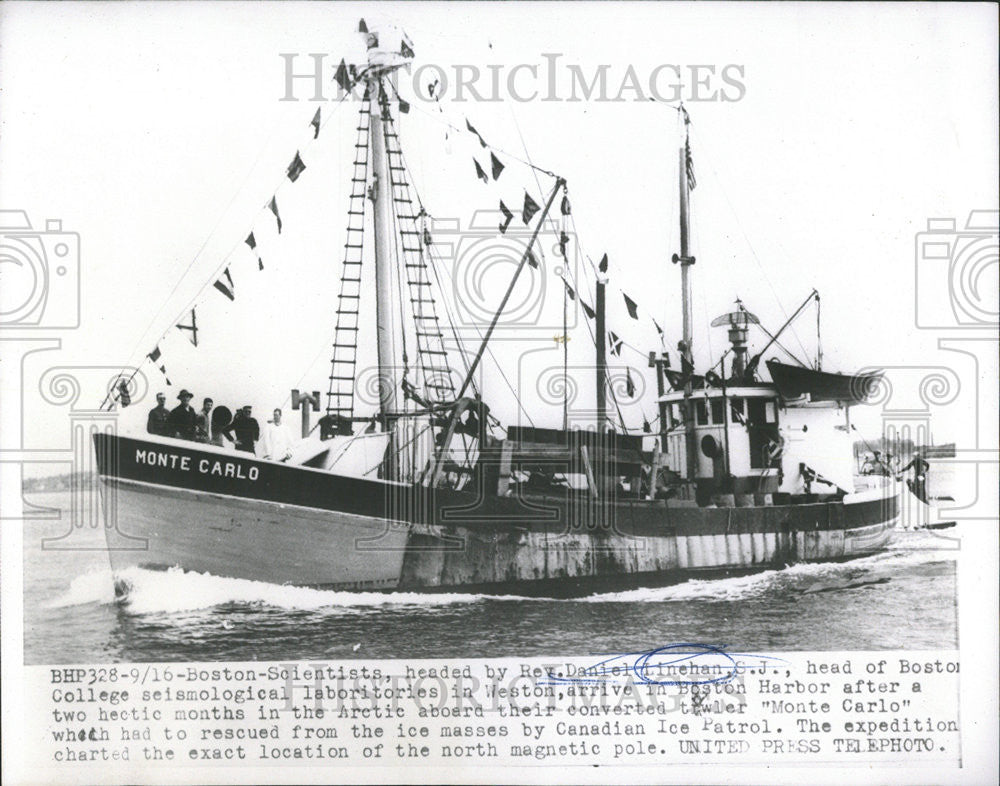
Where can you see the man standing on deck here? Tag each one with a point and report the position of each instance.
(157, 422)
(183, 418)
(246, 429)
(918, 485)
(203, 423)
(277, 439)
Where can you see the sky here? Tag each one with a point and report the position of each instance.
(823, 137)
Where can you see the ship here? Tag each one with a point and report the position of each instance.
(430, 493)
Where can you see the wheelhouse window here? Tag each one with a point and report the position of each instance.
(770, 412)
(701, 412)
(717, 411)
(737, 409)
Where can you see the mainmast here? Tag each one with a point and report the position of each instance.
(382, 61)
(382, 193)
(685, 176)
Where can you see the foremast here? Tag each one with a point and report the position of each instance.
(381, 63)
(381, 192)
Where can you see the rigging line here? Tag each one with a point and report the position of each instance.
(460, 344)
(702, 296)
(782, 346)
(397, 236)
(201, 249)
(591, 295)
(489, 349)
(424, 214)
(494, 148)
(403, 447)
(534, 173)
(610, 388)
(510, 287)
(753, 252)
(503, 376)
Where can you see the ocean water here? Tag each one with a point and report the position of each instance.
(903, 598)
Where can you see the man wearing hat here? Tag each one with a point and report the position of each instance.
(183, 418)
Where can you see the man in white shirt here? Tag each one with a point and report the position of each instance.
(277, 439)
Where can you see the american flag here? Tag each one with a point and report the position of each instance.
(689, 165)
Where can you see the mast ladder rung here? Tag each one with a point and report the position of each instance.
(433, 352)
(348, 379)
(413, 250)
(429, 335)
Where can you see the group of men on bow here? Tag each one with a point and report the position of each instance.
(218, 426)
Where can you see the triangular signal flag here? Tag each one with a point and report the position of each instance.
(631, 306)
(296, 168)
(341, 77)
(507, 216)
(530, 208)
(273, 205)
(471, 128)
(480, 172)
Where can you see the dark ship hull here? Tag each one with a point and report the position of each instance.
(180, 504)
